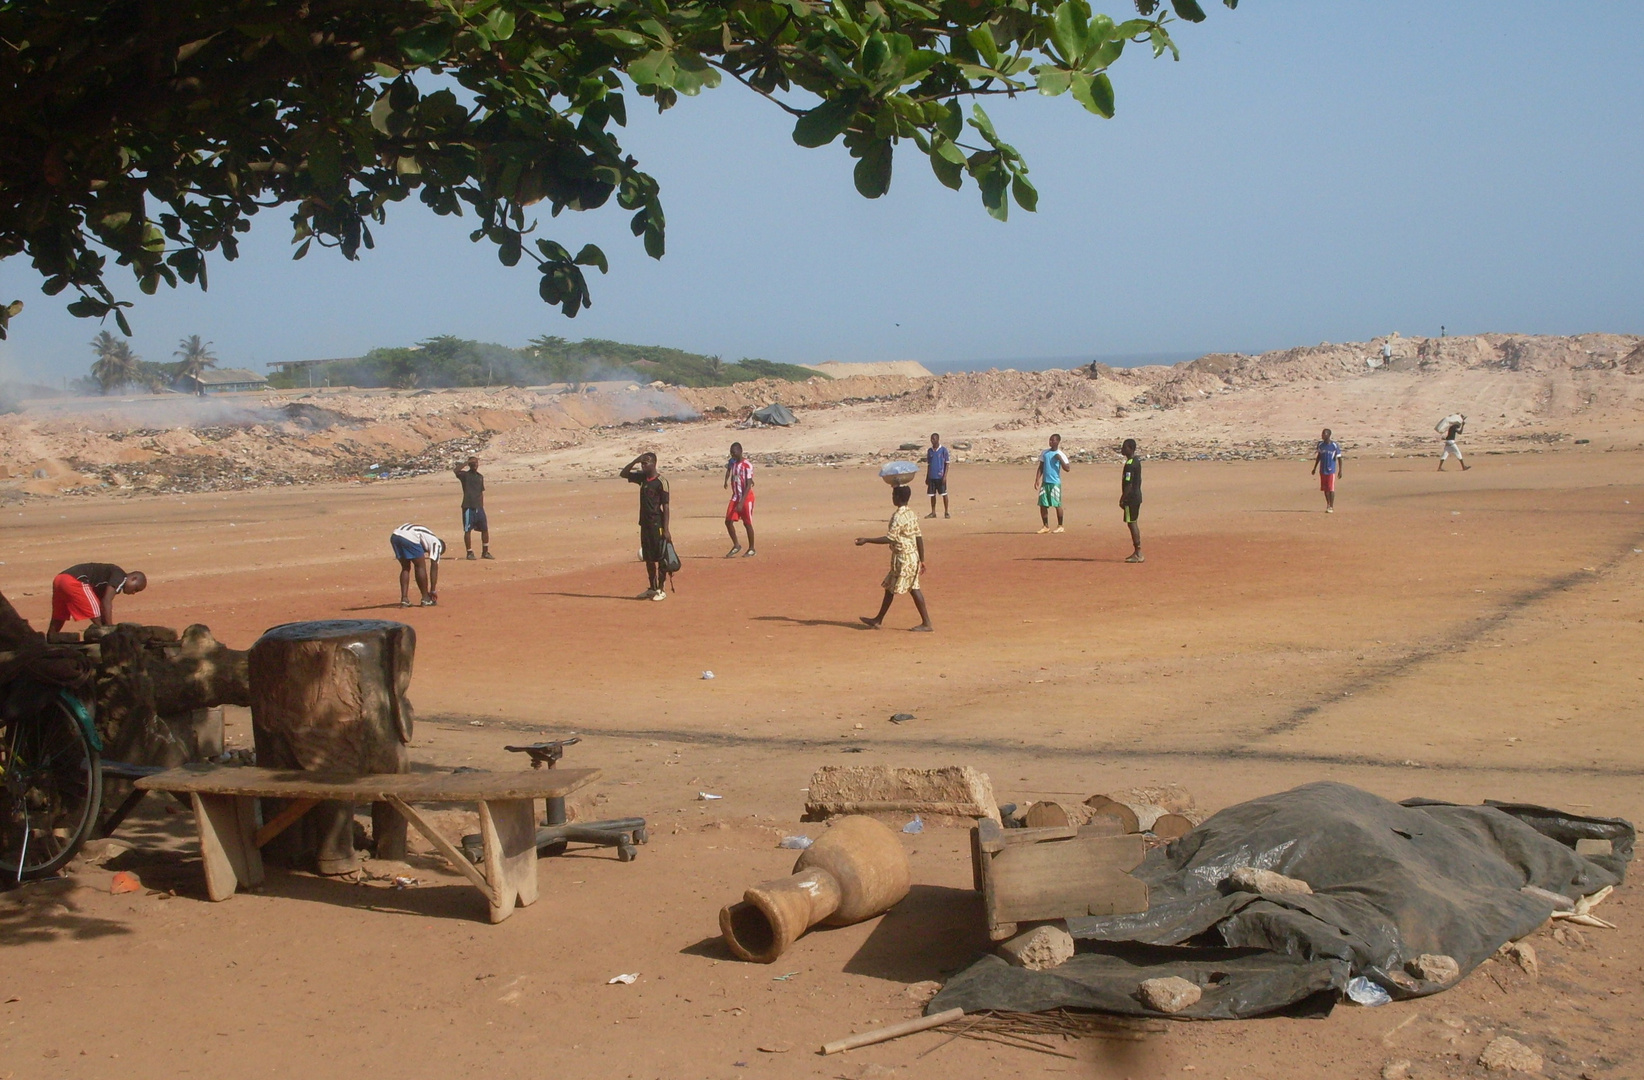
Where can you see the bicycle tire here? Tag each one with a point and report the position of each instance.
(51, 791)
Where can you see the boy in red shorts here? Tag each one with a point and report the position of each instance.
(1327, 463)
(87, 591)
(739, 478)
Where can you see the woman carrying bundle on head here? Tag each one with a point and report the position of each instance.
(907, 546)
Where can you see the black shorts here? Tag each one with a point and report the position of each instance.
(938, 486)
(1132, 511)
(650, 542)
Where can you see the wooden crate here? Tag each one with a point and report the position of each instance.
(1056, 872)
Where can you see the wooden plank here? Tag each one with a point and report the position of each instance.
(456, 858)
(284, 820)
(508, 835)
(376, 787)
(227, 827)
(1066, 878)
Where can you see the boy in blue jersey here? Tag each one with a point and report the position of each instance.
(936, 474)
(1047, 479)
(1328, 465)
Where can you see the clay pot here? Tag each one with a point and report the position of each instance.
(857, 870)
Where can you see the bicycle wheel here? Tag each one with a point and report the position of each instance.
(52, 792)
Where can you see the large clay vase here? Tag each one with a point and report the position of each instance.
(857, 870)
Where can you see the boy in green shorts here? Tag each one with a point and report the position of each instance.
(1130, 496)
(1047, 478)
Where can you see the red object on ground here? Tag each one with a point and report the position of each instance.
(124, 882)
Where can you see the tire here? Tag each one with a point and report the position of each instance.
(51, 794)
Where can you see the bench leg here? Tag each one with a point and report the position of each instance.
(228, 843)
(508, 832)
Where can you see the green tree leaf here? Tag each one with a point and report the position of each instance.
(821, 125)
(873, 172)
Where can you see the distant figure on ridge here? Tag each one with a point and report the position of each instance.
(936, 474)
(473, 508)
(1130, 496)
(739, 478)
(87, 591)
(1450, 447)
(907, 546)
(654, 532)
(1047, 478)
(1327, 463)
(419, 551)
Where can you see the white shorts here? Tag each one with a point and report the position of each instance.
(1450, 447)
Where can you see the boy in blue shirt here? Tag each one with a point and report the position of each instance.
(936, 474)
(1327, 463)
(1047, 478)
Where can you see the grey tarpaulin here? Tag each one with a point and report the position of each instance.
(775, 413)
(1391, 881)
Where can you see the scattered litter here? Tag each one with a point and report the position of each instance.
(403, 882)
(124, 882)
(775, 1047)
(914, 826)
(785, 978)
(707, 674)
(703, 796)
(902, 718)
(476, 723)
(1361, 991)
(1582, 911)
(795, 843)
(625, 980)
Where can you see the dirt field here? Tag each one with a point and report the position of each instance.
(1459, 635)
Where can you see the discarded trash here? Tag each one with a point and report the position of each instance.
(1361, 991)
(795, 843)
(707, 674)
(476, 723)
(775, 1047)
(703, 796)
(625, 980)
(404, 882)
(901, 718)
(914, 826)
(784, 978)
(124, 882)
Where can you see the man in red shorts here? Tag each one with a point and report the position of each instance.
(739, 478)
(86, 591)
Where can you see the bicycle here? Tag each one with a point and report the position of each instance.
(51, 771)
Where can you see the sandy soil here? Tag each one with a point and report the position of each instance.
(1459, 635)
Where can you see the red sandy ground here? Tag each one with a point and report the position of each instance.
(1462, 636)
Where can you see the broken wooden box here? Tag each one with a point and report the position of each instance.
(1057, 872)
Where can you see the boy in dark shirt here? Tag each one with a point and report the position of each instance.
(1130, 496)
(87, 591)
(473, 508)
(654, 533)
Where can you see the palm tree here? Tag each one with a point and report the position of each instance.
(116, 364)
(194, 357)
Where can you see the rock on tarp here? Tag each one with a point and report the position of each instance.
(1390, 882)
(775, 413)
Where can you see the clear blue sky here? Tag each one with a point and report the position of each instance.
(1308, 171)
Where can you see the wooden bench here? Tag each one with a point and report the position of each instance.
(231, 839)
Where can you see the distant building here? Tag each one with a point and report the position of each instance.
(219, 381)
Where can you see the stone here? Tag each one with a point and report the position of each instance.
(103, 849)
(1589, 846)
(1268, 883)
(921, 992)
(1043, 947)
(1570, 937)
(955, 791)
(1170, 995)
(1506, 1054)
(1434, 968)
(1396, 1070)
(1523, 954)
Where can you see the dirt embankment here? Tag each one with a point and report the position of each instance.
(1205, 407)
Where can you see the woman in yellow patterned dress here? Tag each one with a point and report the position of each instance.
(907, 546)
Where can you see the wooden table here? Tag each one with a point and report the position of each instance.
(231, 841)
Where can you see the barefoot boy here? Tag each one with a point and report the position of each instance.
(87, 591)
(654, 517)
(1327, 463)
(907, 546)
(419, 551)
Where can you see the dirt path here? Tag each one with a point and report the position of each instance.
(1458, 636)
